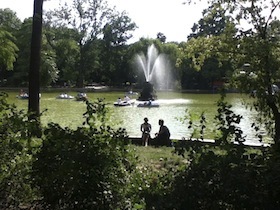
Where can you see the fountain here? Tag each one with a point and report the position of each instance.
(155, 67)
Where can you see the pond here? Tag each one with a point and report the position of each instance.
(173, 106)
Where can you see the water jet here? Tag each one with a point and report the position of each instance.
(156, 69)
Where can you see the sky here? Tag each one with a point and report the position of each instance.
(170, 17)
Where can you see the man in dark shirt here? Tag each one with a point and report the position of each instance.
(163, 136)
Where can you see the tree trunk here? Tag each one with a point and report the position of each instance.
(81, 76)
(277, 129)
(35, 58)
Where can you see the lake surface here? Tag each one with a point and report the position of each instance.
(173, 106)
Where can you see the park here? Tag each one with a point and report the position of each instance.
(217, 93)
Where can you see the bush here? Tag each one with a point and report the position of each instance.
(221, 180)
(16, 148)
(84, 168)
(226, 175)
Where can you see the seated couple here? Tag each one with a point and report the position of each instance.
(162, 136)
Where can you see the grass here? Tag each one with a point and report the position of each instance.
(163, 158)
(157, 158)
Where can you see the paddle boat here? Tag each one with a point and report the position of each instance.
(148, 104)
(64, 96)
(81, 97)
(23, 96)
(123, 103)
(126, 102)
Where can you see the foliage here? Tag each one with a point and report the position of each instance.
(225, 175)
(63, 42)
(150, 188)
(9, 20)
(118, 29)
(213, 23)
(16, 148)
(8, 50)
(48, 69)
(92, 20)
(197, 130)
(221, 181)
(212, 36)
(255, 47)
(113, 50)
(9, 25)
(202, 48)
(228, 123)
(87, 49)
(92, 167)
(161, 37)
(84, 168)
(152, 181)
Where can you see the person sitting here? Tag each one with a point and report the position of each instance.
(163, 136)
(126, 99)
(119, 100)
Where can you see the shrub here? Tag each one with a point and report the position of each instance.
(16, 148)
(84, 168)
(224, 175)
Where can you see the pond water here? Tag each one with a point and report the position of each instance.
(173, 106)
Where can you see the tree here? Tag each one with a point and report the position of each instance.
(8, 50)
(161, 37)
(113, 50)
(48, 68)
(87, 17)
(204, 52)
(258, 46)
(35, 58)
(213, 23)
(9, 24)
(22, 65)
(99, 29)
(9, 20)
(118, 29)
(64, 42)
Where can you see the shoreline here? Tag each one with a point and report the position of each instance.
(210, 142)
(101, 88)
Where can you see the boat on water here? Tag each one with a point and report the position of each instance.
(81, 97)
(64, 96)
(120, 102)
(23, 96)
(148, 104)
(123, 103)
